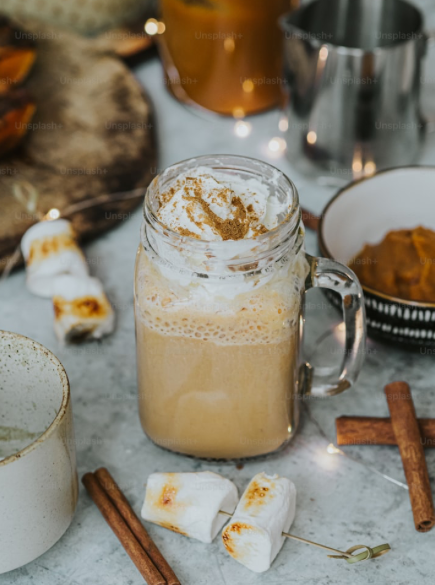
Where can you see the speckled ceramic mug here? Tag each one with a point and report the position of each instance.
(38, 478)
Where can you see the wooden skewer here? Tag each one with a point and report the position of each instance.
(368, 554)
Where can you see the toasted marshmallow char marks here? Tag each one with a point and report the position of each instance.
(81, 309)
(189, 503)
(50, 249)
(211, 205)
(265, 511)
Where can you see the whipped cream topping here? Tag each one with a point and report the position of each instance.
(213, 205)
(222, 212)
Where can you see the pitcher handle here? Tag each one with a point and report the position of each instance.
(325, 273)
(429, 119)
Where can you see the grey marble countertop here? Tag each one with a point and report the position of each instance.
(342, 499)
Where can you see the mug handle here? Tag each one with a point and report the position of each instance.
(326, 273)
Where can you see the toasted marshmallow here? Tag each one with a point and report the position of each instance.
(265, 511)
(189, 503)
(81, 309)
(50, 249)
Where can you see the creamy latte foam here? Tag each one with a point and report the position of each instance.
(217, 348)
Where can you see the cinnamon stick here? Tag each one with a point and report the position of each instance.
(135, 551)
(310, 220)
(135, 525)
(369, 430)
(408, 438)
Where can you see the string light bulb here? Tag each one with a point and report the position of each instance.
(323, 54)
(154, 27)
(277, 144)
(369, 167)
(311, 137)
(229, 45)
(242, 129)
(248, 86)
(333, 450)
(238, 112)
(283, 124)
(52, 214)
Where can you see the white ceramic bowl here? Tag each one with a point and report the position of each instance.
(364, 212)
(38, 478)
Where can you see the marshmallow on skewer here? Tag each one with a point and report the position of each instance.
(266, 510)
(50, 249)
(81, 308)
(189, 503)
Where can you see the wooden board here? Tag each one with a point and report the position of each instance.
(93, 134)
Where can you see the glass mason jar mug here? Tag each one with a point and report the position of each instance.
(218, 325)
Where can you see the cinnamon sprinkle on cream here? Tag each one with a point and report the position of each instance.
(209, 205)
(188, 233)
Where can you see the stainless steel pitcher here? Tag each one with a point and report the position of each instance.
(353, 73)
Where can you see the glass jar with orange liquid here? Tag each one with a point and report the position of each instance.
(224, 55)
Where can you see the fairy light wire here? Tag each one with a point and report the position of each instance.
(333, 450)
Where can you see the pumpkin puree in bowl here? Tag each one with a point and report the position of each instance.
(401, 265)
